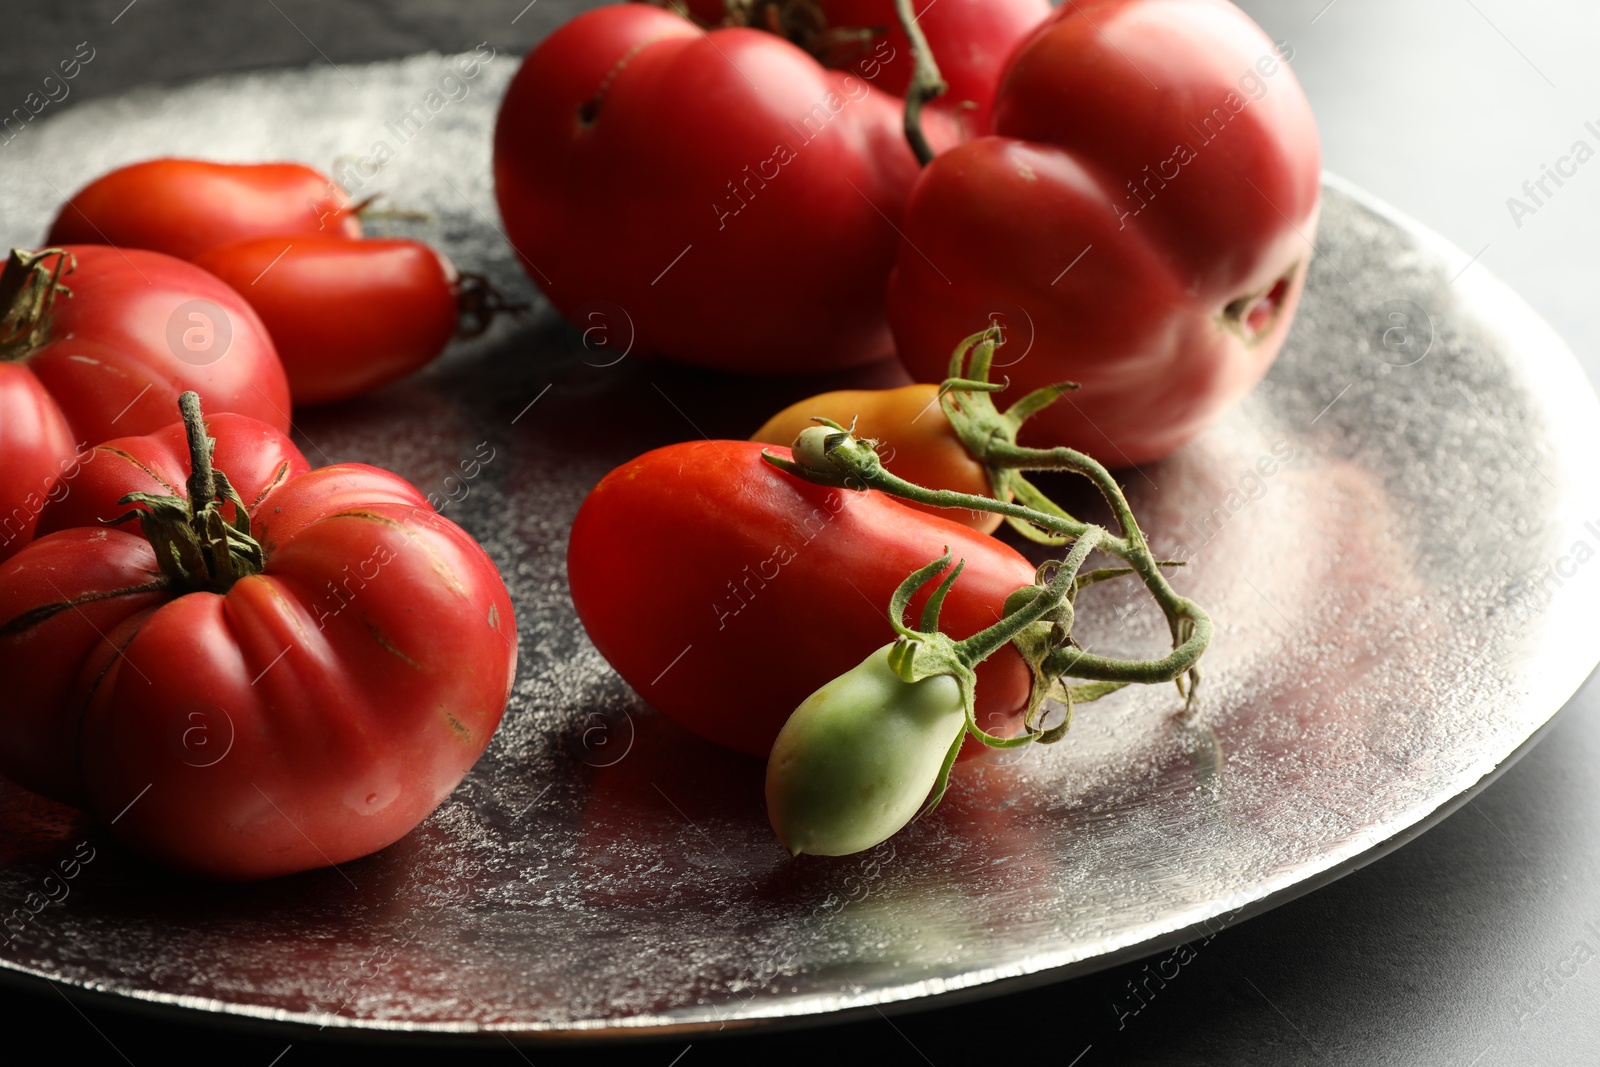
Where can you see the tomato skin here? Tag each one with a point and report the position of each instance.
(105, 367)
(346, 316)
(184, 206)
(726, 591)
(1086, 159)
(915, 439)
(347, 688)
(36, 445)
(858, 758)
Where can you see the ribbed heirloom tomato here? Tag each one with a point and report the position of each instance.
(279, 670)
(726, 591)
(1140, 218)
(111, 359)
(735, 197)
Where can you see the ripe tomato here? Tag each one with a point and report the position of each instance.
(1166, 144)
(725, 591)
(184, 206)
(346, 316)
(110, 360)
(737, 199)
(915, 440)
(311, 711)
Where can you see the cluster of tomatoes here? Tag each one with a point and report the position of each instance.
(1128, 187)
(244, 666)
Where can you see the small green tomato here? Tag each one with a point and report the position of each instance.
(858, 757)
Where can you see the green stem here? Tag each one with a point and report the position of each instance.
(202, 482)
(855, 464)
(1132, 549)
(985, 643)
(831, 455)
(926, 82)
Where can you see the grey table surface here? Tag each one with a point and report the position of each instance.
(1475, 944)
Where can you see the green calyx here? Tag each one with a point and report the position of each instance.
(198, 546)
(29, 285)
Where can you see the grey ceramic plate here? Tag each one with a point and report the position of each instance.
(1391, 532)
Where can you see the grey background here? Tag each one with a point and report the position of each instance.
(1473, 944)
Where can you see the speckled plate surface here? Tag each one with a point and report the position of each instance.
(1393, 533)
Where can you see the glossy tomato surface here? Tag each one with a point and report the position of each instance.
(110, 360)
(726, 591)
(184, 206)
(310, 714)
(1140, 222)
(346, 316)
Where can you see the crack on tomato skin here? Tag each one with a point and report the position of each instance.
(383, 642)
(34, 616)
(279, 476)
(589, 110)
(412, 532)
(458, 726)
(370, 516)
(141, 465)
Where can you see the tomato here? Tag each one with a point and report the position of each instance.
(725, 591)
(184, 206)
(858, 757)
(347, 316)
(310, 709)
(111, 359)
(737, 199)
(915, 440)
(1166, 144)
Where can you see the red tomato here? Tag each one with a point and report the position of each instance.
(730, 194)
(305, 715)
(184, 206)
(1166, 144)
(110, 360)
(346, 316)
(751, 587)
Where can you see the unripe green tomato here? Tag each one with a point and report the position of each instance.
(859, 756)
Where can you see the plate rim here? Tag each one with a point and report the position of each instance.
(791, 1011)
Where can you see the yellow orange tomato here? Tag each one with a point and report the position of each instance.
(915, 440)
